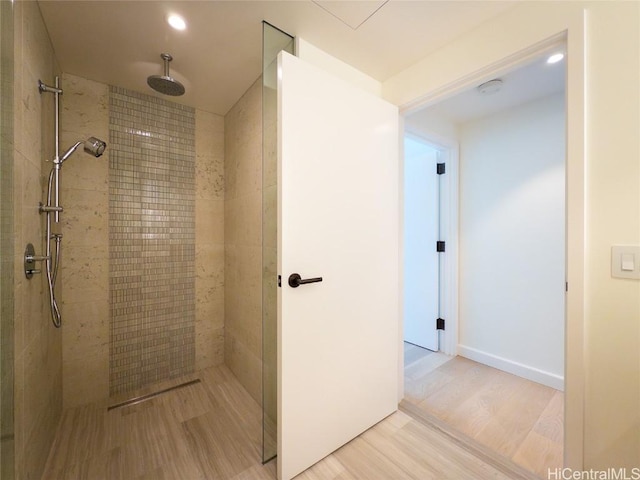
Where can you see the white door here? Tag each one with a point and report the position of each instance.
(421, 232)
(338, 219)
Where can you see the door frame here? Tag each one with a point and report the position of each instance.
(573, 40)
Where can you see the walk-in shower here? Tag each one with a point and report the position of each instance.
(92, 146)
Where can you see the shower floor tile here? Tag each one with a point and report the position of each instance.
(211, 429)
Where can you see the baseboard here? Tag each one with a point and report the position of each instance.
(515, 368)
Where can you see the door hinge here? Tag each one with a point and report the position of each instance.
(440, 246)
(440, 168)
(439, 323)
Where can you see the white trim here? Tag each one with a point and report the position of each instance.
(487, 73)
(400, 258)
(530, 373)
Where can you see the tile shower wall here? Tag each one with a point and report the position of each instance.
(152, 240)
(38, 355)
(209, 239)
(243, 240)
(7, 345)
(85, 269)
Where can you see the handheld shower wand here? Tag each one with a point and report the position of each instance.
(92, 146)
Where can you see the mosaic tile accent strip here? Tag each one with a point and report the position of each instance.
(151, 240)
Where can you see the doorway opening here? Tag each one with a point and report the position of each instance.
(502, 385)
(421, 297)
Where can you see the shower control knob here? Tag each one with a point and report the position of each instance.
(30, 259)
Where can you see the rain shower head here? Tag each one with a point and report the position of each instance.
(92, 146)
(164, 83)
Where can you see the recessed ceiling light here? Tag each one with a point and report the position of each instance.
(555, 58)
(490, 87)
(177, 22)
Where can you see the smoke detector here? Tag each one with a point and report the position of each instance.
(490, 87)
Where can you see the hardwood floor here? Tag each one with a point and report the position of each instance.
(514, 417)
(212, 430)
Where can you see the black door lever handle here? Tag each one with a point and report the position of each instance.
(295, 280)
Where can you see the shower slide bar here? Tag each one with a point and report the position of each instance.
(93, 146)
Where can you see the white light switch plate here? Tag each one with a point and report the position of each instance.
(629, 256)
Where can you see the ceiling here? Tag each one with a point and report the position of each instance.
(530, 82)
(218, 56)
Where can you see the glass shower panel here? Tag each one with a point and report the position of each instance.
(273, 41)
(6, 242)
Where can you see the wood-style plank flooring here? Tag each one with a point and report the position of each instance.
(512, 416)
(212, 430)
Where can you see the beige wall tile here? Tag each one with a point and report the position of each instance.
(270, 173)
(209, 155)
(37, 380)
(210, 238)
(38, 361)
(210, 264)
(86, 376)
(207, 292)
(249, 165)
(210, 221)
(243, 240)
(86, 328)
(19, 412)
(84, 271)
(85, 172)
(245, 365)
(209, 177)
(230, 166)
(85, 220)
(243, 220)
(209, 345)
(270, 217)
(232, 221)
(250, 267)
(84, 274)
(84, 113)
(210, 312)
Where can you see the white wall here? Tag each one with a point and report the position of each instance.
(432, 125)
(612, 307)
(512, 241)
